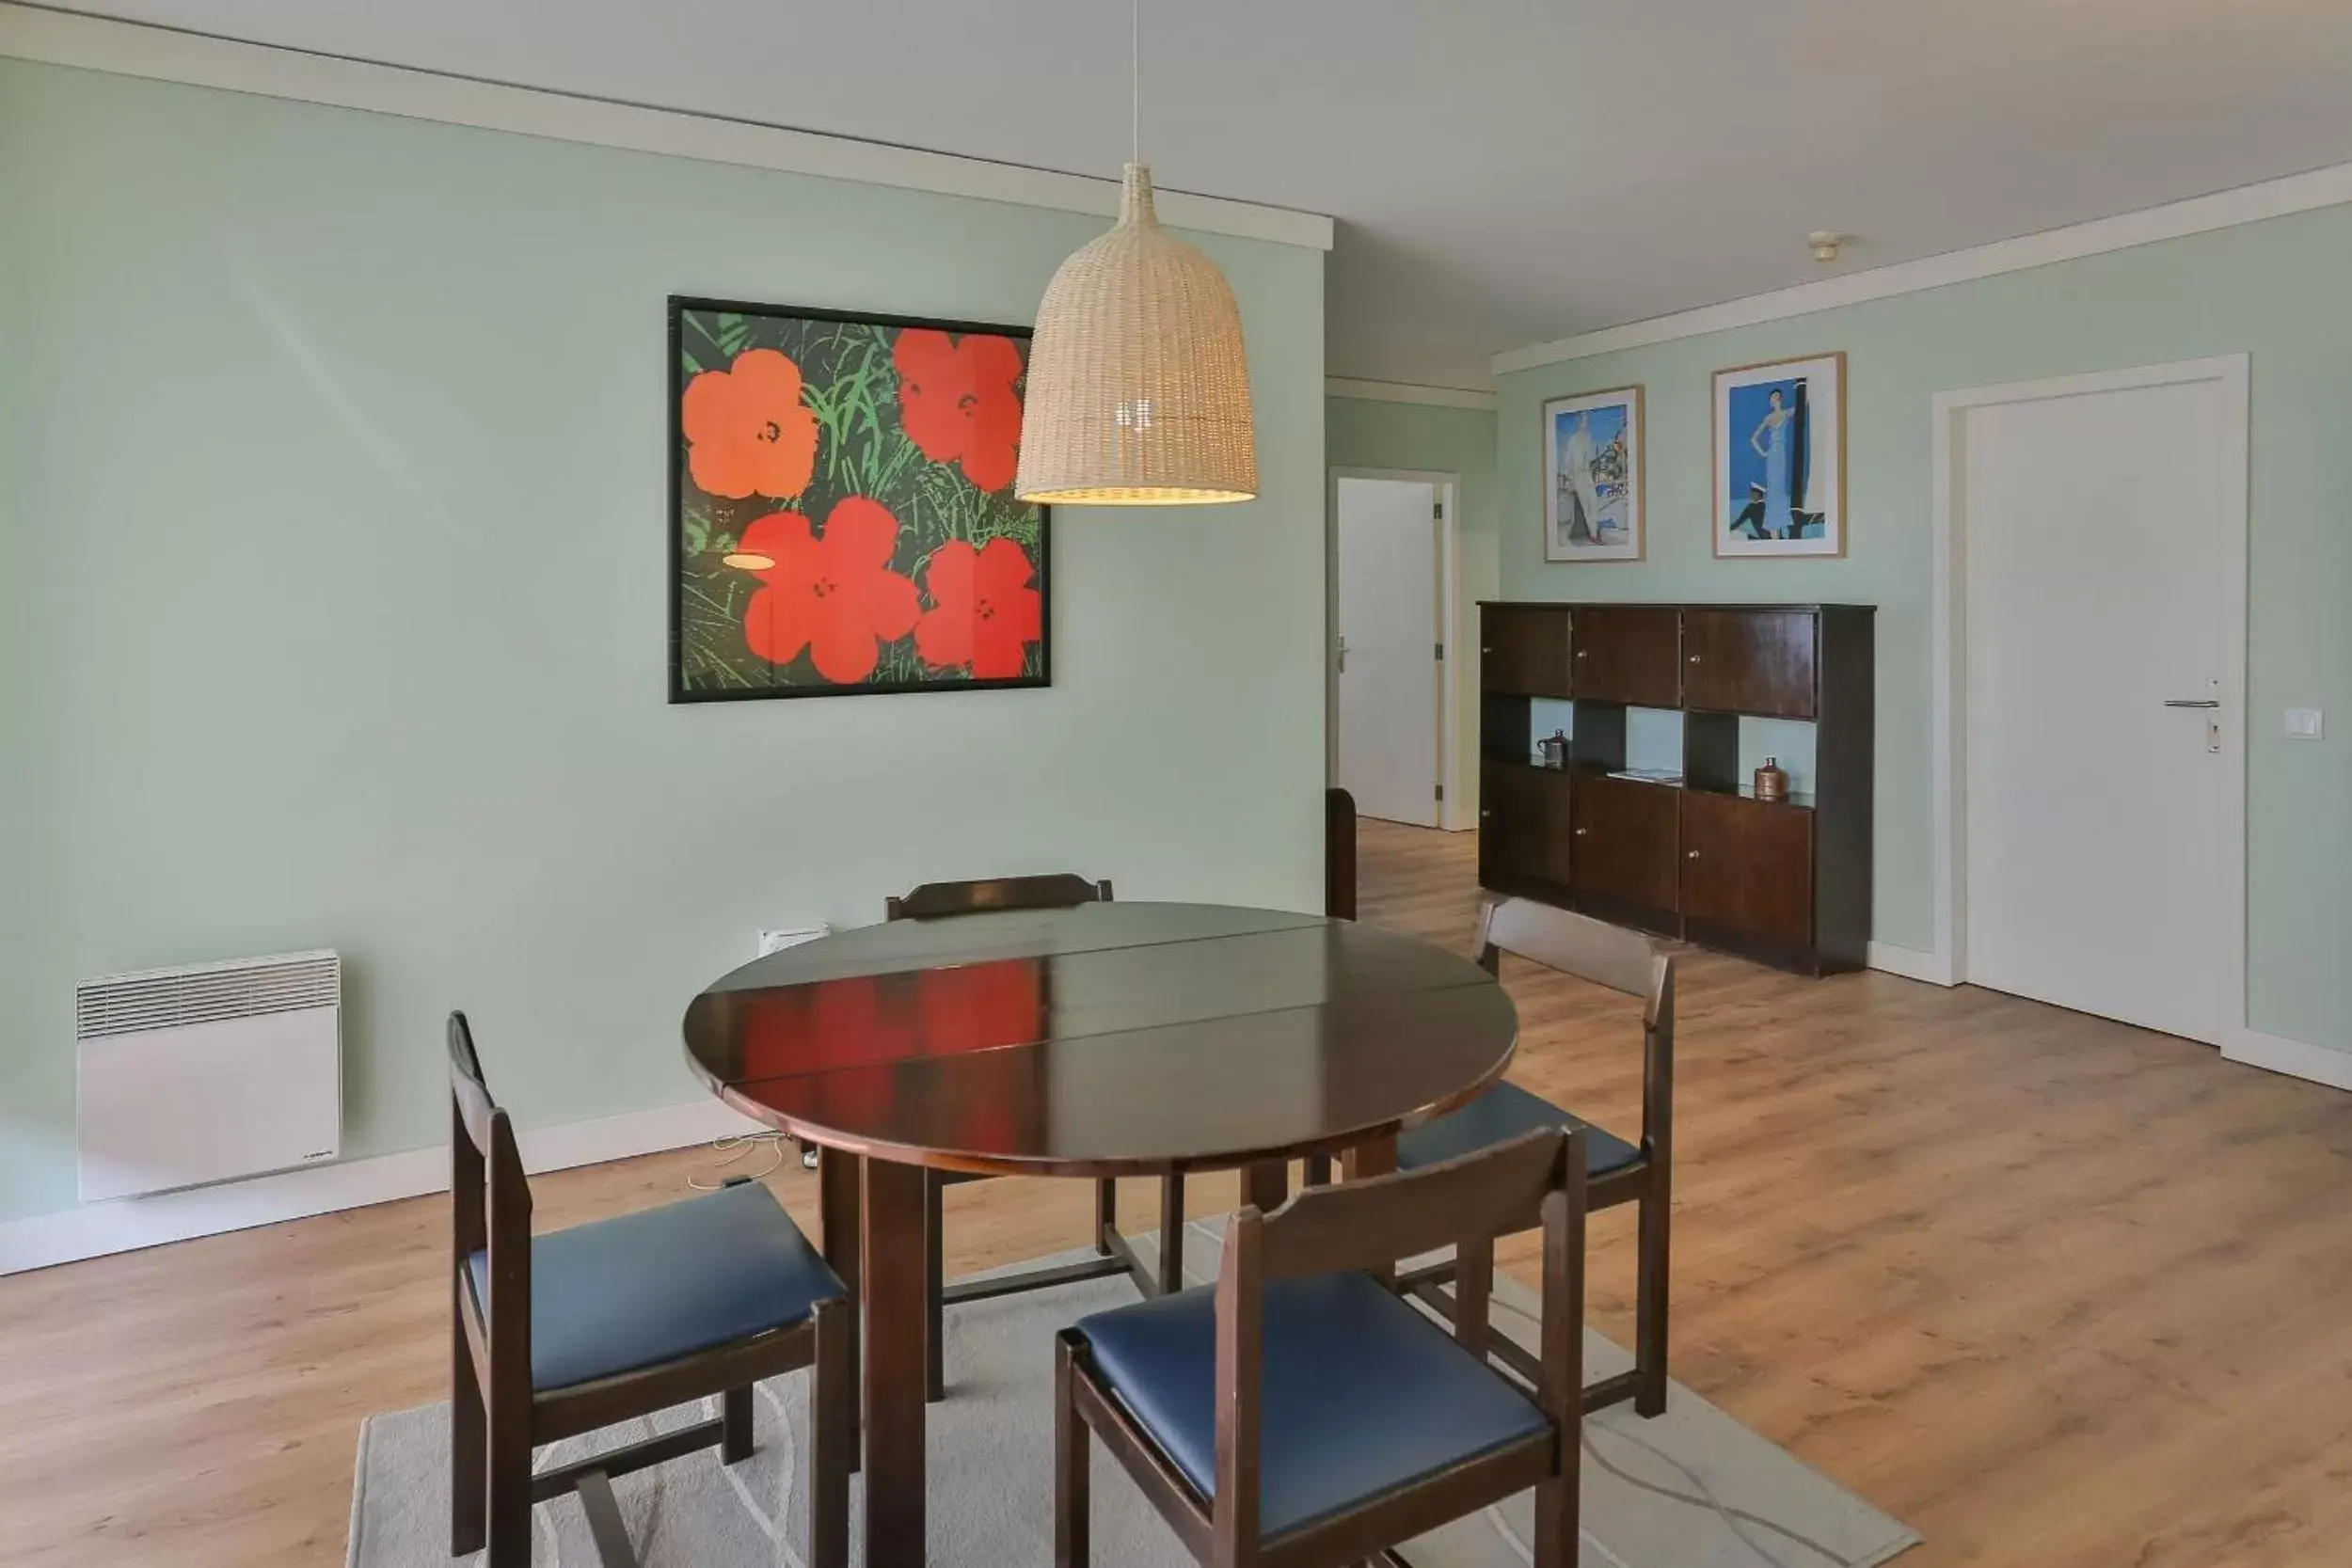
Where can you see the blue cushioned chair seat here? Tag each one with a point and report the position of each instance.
(663, 1283)
(1360, 1395)
(1505, 1112)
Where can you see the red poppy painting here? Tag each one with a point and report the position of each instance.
(842, 513)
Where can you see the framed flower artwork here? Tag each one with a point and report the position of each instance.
(841, 510)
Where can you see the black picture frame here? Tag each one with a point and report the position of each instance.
(685, 624)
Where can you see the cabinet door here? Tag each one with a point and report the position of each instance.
(1523, 651)
(1524, 824)
(1755, 662)
(1628, 653)
(1747, 865)
(1626, 840)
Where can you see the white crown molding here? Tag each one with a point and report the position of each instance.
(169, 54)
(1405, 392)
(126, 1225)
(2295, 1058)
(2295, 193)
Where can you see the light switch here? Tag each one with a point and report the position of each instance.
(2303, 723)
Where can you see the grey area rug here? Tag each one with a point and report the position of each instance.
(1690, 1489)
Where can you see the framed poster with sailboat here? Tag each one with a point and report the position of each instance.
(1780, 458)
(1593, 475)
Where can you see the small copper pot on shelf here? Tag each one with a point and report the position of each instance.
(1772, 781)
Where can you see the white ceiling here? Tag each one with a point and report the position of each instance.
(1504, 171)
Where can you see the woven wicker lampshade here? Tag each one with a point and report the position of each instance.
(1138, 384)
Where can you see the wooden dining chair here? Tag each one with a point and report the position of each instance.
(1619, 1172)
(558, 1335)
(947, 901)
(1299, 1412)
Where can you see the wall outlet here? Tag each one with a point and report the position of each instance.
(2303, 723)
(777, 941)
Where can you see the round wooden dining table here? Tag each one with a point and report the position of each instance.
(1109, 1039)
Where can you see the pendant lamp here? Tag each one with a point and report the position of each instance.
(1138, 389)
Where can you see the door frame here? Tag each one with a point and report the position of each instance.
(1453, 815)
(1948, 655)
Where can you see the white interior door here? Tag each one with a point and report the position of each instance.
(1389, 633)
(2097, 535)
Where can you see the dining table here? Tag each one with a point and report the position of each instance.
(1111, 1039)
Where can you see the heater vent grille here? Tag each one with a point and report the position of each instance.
(205, 993)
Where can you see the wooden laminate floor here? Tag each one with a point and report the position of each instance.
(2058, 1292)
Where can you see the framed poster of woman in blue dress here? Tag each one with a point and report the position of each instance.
(1780, 458)
(1593, 475)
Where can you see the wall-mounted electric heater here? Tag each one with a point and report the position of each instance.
(208, 1072)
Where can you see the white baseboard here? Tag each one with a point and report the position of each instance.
(126, 1225)
(2295, 1058)
(1910, 963)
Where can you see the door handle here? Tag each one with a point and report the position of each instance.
(2186, 701)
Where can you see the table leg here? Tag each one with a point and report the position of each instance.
(894, 1333)
(1265, 1184)
(1376, 1158)
(840, 1202)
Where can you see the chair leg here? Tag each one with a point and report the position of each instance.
(1473, 1283)
(469, 1451)
(1072, 1516)
(935, 1291)
(1555, 1544)
(1171, 1233)
(507, 1474)
(832, 1436)
(734, 1414)
(1105, 1214)
(1649, 1304)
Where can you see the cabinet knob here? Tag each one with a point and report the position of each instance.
(1582, 652)
(1485, 813)
(1695, 658)
(1692, 854)
(1580, 832)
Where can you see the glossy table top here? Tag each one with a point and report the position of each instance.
(1105, 1040)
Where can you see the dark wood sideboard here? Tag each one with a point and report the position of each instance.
(1787, 883)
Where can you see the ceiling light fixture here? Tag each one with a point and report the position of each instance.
(1138, 386)
(1826, 244)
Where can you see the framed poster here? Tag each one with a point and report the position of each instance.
(1593, 475)
(1780, 458)
(841, 512)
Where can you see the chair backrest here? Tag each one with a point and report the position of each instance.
(1062, 890)
(1605, 955)
(1338, 854)
(489, 1201)
(1535, 1178)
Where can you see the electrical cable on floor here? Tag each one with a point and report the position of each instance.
(735, 1148)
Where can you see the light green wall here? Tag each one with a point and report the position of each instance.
(1361, 432)
(2277, 290)
(339, 550)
